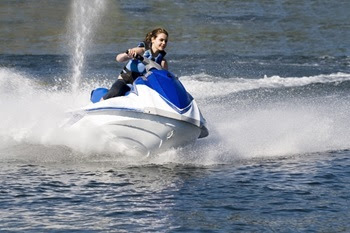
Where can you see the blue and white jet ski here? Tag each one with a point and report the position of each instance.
(155, 115)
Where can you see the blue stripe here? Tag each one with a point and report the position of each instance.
(181, 111)
(112, 108)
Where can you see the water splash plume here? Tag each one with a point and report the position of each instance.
(84, 18)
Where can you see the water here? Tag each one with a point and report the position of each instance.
(272, 79)
(84, 18)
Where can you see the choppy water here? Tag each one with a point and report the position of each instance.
(272, 79)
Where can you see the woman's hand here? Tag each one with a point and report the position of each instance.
(131, 53)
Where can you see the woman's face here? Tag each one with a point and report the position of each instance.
(159, 42)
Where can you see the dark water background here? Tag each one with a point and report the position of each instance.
(272, 79)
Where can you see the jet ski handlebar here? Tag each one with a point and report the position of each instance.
(150, 64)
(137, 56)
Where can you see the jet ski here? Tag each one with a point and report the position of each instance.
(155, 115)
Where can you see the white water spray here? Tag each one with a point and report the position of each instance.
(84, 19)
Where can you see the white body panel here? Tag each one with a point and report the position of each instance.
(143, 121)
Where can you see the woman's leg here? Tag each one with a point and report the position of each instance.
(119, 88)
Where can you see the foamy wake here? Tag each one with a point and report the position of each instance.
(204, 86)
(31, 115)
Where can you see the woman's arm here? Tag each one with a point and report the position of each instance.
(123, 57)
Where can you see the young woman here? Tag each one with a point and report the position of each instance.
(152, 48)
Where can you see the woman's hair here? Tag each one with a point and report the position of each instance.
(154, 33)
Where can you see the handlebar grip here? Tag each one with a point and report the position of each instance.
(138, 56)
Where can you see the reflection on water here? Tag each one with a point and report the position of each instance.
(249, 196)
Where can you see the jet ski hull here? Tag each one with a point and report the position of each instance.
(142, 133)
